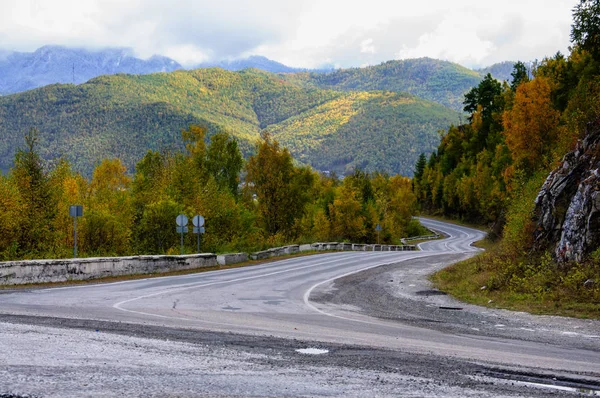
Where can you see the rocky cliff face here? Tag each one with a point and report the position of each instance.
(568, 206)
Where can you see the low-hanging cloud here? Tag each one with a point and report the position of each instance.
(305, 33)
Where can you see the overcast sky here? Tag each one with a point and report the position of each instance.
(303, 33)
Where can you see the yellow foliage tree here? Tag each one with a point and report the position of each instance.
(10, 211)
(530, 126)
(345, 215)
(69, 189)
(108, 220)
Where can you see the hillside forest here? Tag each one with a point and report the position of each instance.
(125, 115)
(490, 169)
(278, 202)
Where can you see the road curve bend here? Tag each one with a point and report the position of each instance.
(274, 299)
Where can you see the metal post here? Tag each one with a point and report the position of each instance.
(75, 211)
(181, 222)
(198, 222)
(182, 240)
(75, 237)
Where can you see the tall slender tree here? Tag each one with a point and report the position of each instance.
(224, 161)
(282, 189)
(519, 75)
(38, 203)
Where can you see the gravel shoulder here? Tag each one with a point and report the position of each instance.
(404, 293)
(87, 358)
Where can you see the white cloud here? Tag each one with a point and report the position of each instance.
(303, 33)
(187, 54)
(366, 46)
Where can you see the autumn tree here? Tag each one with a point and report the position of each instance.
(10, 213)
(156, 232)
(394, 204)
(194, 138)
(347, 221)
(224, 161)
(107, 223)
(282, 189)
(38, 204)
(530, 126)
(69, 188)
(150, 180)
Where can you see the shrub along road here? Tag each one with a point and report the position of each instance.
(235, 333)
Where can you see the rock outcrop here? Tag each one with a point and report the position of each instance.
(568, 206)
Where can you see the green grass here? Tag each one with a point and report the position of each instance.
(536, 286)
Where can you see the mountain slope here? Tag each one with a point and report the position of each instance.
(368, 130)
(125, 115)
(434, 80)
(54, 64)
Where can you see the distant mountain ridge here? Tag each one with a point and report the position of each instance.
(500, 71)
(21, 71)
(256, 62)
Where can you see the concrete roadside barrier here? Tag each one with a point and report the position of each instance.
(43, 271)
(40, 271)
(232, 258)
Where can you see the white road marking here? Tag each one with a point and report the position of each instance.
(314, 308)
(205, 284)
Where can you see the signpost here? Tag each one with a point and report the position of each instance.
(198, 222)
(75, 211)
(378, 229)
(182, 221)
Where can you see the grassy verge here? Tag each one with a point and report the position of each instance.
(130, 277)
(535, 285)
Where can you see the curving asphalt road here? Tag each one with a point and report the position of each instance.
(276, 300)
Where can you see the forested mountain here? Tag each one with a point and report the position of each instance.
(21, 71)
(440, 81)
(365, 130)
(125, 115)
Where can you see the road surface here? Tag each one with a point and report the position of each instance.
(257, 317)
